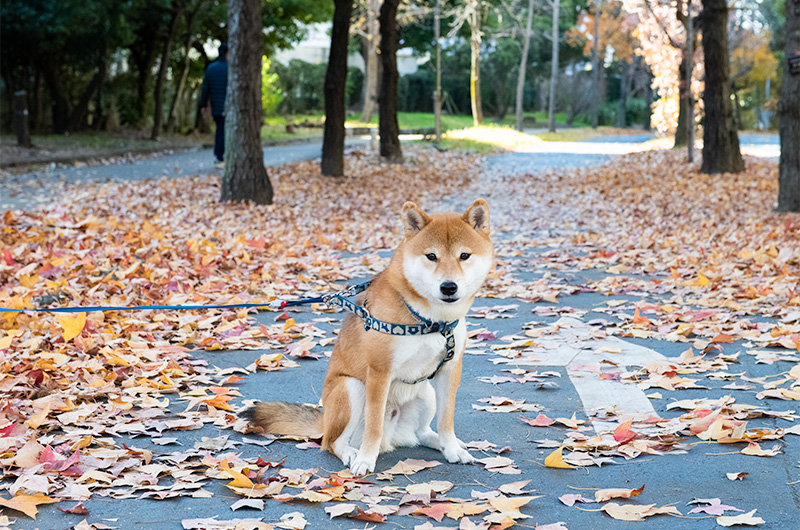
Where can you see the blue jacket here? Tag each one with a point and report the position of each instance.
(215, 84)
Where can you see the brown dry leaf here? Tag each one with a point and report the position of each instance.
(509, 506)
(515, 488)
(616, 493)
(755, 449)
(409, 466)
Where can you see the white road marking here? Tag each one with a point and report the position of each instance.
(577, 345)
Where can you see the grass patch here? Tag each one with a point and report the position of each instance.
(417, 120)
(584, 133)
(274, 129)
(488, 139)
(101, 141)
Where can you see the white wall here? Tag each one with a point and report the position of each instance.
(316, 46)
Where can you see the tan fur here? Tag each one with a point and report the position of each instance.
(368, 356)
(287, 419)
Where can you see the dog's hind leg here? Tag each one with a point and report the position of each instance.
(425, 405)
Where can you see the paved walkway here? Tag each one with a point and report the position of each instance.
(30, 189)
(674, 478)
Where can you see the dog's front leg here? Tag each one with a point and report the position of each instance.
(377, 391)
(445, 385)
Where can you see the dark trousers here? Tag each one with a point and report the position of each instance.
(219, 137)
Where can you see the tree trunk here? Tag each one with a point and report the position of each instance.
(78, 114)
(523, 67)
(624, 87)
(143, 55)
(648, 99)
(171, 117)
(335, 80)
(245, 177)
(474, 20)
(720, 141)
(501, 108)
(551, 116)
(789, 109)
(60, 109)
(596, 66)
(388, 127)
(574, 86)
(162, 72)
(21, 126)
(681, 132)
(371, 81)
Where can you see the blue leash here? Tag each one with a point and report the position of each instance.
(339, 299)
(125, 308)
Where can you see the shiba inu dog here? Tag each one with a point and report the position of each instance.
(382, 391)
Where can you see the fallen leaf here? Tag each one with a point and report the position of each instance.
(556, 459)
(744, 519)
(604, 495)
(26, 504)
(72, 325)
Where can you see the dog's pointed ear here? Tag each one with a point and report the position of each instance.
(414, 219)
(477, 216)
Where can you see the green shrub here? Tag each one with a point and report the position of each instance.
(271, 94)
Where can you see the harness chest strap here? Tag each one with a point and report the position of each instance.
(425, 328)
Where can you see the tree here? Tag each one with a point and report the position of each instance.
(596, 64)
(789, 109)
(523, 67)
(388, 127)
(720, 140)
(474, 21)
(662, 34)
(371, 40)
(245, 177)
(551, 111)
(175, 16)
(335, 81)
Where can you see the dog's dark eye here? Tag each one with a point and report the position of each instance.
(431, 256)
(465, 256)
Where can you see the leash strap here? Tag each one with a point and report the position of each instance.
(339, 299)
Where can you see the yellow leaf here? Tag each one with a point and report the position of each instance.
(37, 419)
(26, 503)
(289, 324)
(239, 479)
(73, 325)
(702, 281)
(555, 459)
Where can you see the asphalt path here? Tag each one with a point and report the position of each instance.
(26, 190)
(673, 478)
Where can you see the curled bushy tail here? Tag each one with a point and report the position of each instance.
(286, 419)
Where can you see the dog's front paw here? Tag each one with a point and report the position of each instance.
(455, 453)
(363, 464)
(349, 455)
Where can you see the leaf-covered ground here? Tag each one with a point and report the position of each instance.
(671, 256)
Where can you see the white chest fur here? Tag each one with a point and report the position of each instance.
(418, 356)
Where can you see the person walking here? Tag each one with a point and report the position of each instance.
(215, 85)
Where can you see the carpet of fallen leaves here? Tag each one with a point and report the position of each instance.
(708, 252)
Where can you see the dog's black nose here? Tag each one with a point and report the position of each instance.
(448, 288)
